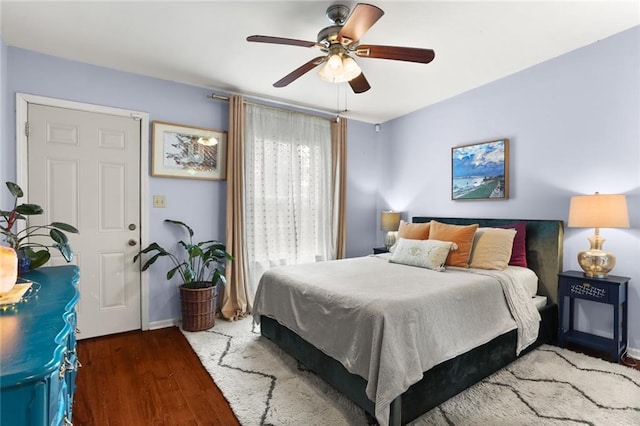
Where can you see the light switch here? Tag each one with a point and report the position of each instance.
(159, 201)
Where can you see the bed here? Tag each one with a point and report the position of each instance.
(438, 382)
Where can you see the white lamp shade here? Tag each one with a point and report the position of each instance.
(598, 211)
(339, 69)
(350, 68)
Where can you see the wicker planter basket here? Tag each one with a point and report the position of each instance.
(198, 308)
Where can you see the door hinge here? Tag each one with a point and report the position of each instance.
(26, 128)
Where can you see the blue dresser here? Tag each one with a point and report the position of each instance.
(38, 359)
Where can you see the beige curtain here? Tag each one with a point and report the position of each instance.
(237, 300)
(339, 170)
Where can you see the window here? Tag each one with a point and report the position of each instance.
(288, 192)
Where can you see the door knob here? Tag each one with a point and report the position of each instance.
(132, 242)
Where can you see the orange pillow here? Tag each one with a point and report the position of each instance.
(413, 231)
(461, 235)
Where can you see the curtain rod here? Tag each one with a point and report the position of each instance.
(331, 114)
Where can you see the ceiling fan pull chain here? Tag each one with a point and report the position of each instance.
(345, 101)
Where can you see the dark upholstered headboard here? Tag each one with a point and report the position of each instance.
(544, 247)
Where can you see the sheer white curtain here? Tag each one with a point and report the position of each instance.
(288, 189)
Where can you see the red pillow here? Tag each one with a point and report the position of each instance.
(519, 251)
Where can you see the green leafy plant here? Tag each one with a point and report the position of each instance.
(23, 239)
(203, 265)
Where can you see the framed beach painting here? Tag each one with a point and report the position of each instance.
(188, 152)
(480, 171)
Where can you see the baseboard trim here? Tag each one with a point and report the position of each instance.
(155, 325)
(633, 353)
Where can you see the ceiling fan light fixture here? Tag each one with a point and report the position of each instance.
(331, 70)
(339, 68)
(334, 64)
(350, 68)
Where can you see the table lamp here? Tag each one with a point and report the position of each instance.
(8, 268)
(598, 211)
(390, 221)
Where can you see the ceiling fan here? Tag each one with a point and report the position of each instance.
(340, 41)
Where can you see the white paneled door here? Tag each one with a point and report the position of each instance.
(84, 169)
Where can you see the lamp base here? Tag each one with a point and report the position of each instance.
(390, 239)
(595, 262)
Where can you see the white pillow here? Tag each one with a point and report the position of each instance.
(429, 254)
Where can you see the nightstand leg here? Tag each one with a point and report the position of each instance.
(561, 342)
(625, 316)
(571, 310)
(616, 333)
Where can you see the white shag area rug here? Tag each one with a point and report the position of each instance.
(549, 386)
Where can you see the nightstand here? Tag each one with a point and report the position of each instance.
(611, 290)
(378, 250)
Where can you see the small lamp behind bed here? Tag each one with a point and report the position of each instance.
(390, 221)
(598, 211)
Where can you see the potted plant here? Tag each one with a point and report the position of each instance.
(200, 271)
(31, 251)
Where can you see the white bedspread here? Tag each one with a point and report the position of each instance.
(388, 322)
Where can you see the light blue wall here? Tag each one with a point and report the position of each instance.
(363, 175)
(555, 114)
(574, 128)
(202, 204)
(6, 163)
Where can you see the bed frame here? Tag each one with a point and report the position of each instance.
(544, 256)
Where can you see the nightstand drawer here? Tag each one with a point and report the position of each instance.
(584, 289)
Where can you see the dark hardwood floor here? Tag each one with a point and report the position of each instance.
(146, 378)
(624, 360)
(630, 362)
(151, 378)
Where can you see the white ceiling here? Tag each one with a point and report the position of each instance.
(204, 44)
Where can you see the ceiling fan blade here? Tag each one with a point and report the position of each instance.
(359, 84)
(281, 40)
(299, 72)
(361, 19)
(409, 54)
